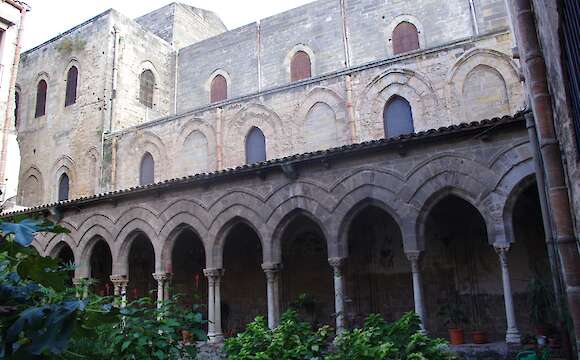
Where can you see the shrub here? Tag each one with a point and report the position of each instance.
(291, 340)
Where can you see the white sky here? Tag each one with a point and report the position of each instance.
(49, 18)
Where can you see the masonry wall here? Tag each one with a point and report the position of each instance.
(66, 139)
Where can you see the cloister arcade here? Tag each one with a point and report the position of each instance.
(378, 232)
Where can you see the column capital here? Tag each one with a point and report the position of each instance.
(336, 262)
(502, 251)
(271, 267)
(119, 280)
(414, 255)
(161, 277)
(214, 274)
(80, 281)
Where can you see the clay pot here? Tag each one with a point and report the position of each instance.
(456, 336)
(186, 336)
(480, 337)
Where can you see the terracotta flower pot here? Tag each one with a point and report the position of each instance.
(456, 336)
(480, 337)
(186, 336)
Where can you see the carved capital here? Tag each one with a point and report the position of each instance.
(337, 265)
(502, 251)
(161, 277)
(272, 270)
(415, 258)
(80, 281)
(119, 280)
(214, 276)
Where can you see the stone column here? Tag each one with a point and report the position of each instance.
(167, 285)
(214, 328)
(337, 268)
(273, 287)
(81, 287)
(161, 287)
(513, 334)
(120, 283)
(415, 259)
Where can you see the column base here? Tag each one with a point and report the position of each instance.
(513, 337)
(215, 338)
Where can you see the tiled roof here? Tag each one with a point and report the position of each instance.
(305, 157)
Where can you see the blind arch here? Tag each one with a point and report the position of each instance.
(146, 88)
(405, 38)
(300, 66)
(71, 86)
(219, 89)
(63, 187)
(147, 170)
(398, 117)
(255, 146)
(41, 92)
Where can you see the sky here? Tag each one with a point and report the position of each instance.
(49, 18)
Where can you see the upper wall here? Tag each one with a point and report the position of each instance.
(257, 56)
(182, 25)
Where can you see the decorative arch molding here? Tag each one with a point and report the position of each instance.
(190, 128)
(125, 222)
(388, 31)
(128, 234)
(221, 229)
(73, 61)
(284, 218)
(493, 59)
(181, 222)
(147, 65)
(32, 172)
(410, 85)
(209, 81)
(237, 127)
(370, 195)
(56, 242)
(300, 47)
(88, 241)
(333, 101)
(143, 142)
(63, 165)
(439, 194)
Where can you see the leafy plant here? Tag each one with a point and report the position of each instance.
(453, 314)
(400, 340)
(541, 301)
(291, 340)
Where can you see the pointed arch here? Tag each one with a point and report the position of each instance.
(405, 38)
(147, 169)
(398, 117)
(71, 86)
(255, 146)
(41, 94)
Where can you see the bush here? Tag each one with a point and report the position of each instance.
(400, 340)
(291, 340)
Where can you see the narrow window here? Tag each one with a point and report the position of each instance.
(219, 89)
(41, 90)
(300, 67)
(63, 187)
(71, 86)
(255, 146)
(147, 171)
(405, 38)
(398, 117)
(16, 107)
(147, 85)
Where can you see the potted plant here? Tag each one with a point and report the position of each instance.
(454, 317)
(541, 304)
(480, 319)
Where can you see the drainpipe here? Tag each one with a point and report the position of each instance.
(473, 18)
(557, 194)
(219, 140)
(23, 8)
(350, 110)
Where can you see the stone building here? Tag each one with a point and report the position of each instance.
(340, 149)
(12, 15)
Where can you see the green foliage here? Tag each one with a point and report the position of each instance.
(541, 301)
(452, 313)
(400, 340)
(291, 340)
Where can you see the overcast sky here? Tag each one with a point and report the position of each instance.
(49, 18)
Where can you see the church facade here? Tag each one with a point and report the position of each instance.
(372, 155)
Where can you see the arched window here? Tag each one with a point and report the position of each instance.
(219, 89)
(255, 146)
(147, 85)
(147, 170)
(300, 67)
(16, 107)
(71, 86)
(41, 90)
(398, 117)
(63, 187)
(405, 38)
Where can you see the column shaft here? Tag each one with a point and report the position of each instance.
(513, 334)
(337, 267)
(415, 259)
(273, 284)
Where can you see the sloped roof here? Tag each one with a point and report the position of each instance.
(382, 144)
